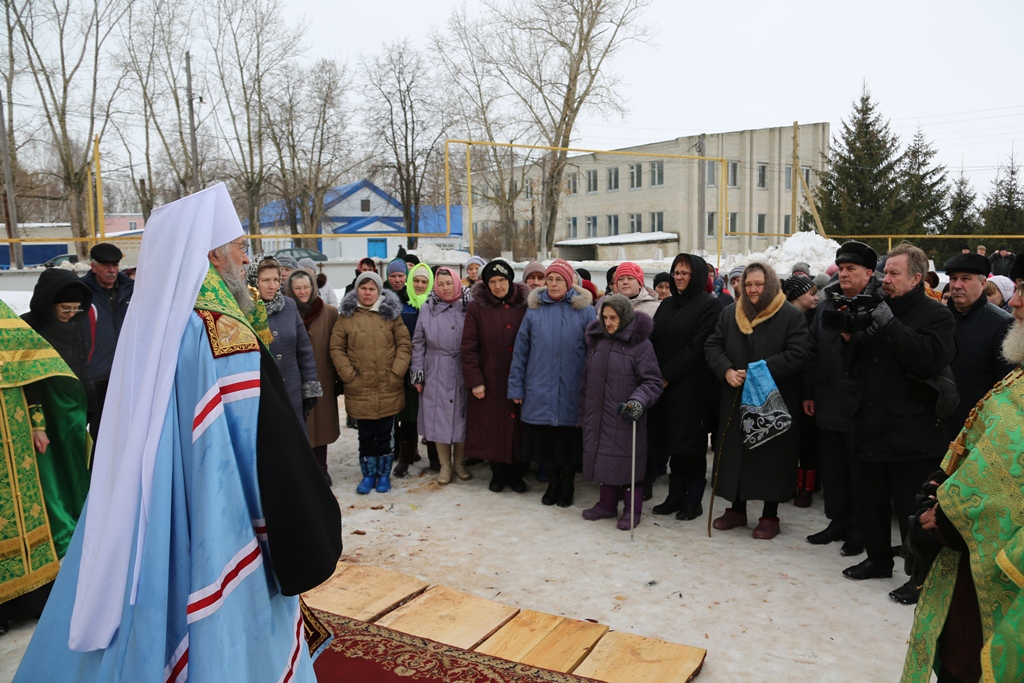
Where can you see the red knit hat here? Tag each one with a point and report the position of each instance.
(562, 267)
(631, 269)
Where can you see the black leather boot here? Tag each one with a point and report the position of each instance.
(568, 486)
(550, 496)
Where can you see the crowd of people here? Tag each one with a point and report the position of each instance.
(852, 382)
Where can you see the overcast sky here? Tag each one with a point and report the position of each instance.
(954, 68)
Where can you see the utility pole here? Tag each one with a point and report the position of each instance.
(17, 258)
(192, 122)
(794, 172)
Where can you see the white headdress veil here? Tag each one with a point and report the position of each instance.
(172, 265)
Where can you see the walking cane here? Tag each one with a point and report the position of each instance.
(718, 457)
(632, 490)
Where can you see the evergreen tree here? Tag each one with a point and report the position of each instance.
(924, 189)
(1004, 206)
(859, 192)
(963, 218)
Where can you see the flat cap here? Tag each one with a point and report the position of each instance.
(104, 252)
(968, 263)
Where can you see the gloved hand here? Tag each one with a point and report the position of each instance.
(307, 406)
(880, 317)
(631, 410)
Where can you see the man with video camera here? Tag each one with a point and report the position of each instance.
(898, 435)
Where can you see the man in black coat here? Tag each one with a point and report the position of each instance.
(1001, 262)
(898, 437)
(835, 399)
(981, 327)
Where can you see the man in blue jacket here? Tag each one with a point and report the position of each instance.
(112, 291)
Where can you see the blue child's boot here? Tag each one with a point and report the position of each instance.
(368, 464)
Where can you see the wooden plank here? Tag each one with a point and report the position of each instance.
(514, 640)
(362, 592)
(449, 617)
(626, 658)
(565, 647)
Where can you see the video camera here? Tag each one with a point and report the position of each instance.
(851, 314)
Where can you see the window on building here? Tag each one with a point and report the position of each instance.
(712, 172)
(711, 224)
(364, 205)
(636, 222)
(613, 224)
(734, 174)
(571, 227)
(788, 177)
(636, 176)
(133, 225)
(527, 189)
(734, 221)
(762, 223)
(807, 176)
(592, 224)
(657, 221)
(762, 176)
(657, 173)
(613, 178)
(787, 224)
(513, 189)
(592, 181)
(572, 183)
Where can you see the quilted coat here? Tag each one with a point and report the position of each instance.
(436, 363)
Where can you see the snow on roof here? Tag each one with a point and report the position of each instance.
(628, 238)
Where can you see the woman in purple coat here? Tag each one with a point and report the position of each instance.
(622, 381)
(436, 372)
(493, 430)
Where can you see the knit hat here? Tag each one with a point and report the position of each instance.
(610, 275)
(308, 264)
(498, 268)
(1005, 286)
(411, 259)
(584, 274)
(621, 306)
(968, 263)
(802, 267)
(662, 277)
(857, 253)
(832, 270)
(562, 267)
(735, 272)
(457, 292)
(795, 286)
(416, 300)
(630, 269)
(287, 262)
(397, 266)
(532, 267)
(477, 260)
(369, 275)
(72, 294)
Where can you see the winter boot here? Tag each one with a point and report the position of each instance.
(607, 506)
(567, 486)
(444, 454)
(554, 484)
(730, 519)
(368, 465)
(384, 468)
(499, 477)
(459, 457)
(515, 479)
(805, 480)
(767, 528)
(404, 459)
(648, 488)
(692, 508)
(676, 499)
(633, 501)
(432, 458)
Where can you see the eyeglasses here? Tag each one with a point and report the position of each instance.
(681, 273)
(243, 245)
(68, 308)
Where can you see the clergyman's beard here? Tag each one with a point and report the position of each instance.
(234, 278)
(1013, 343)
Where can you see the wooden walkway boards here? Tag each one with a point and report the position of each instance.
(445, 615)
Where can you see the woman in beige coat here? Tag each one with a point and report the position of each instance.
(319, 318)
(371, 350)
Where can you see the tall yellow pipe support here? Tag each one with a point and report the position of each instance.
(99, 190)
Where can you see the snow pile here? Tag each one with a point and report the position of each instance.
(807, 247)
(432, 254)
(18, 301)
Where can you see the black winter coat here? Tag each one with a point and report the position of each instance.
(103, 322)
(781, 339)
(682, 325)
(896, 417)
(979, 361)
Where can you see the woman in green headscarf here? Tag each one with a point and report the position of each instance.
(419, 283)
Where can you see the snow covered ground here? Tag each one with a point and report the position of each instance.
(768, 611)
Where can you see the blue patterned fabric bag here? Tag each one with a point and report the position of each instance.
(763, 413)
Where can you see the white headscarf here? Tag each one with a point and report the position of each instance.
(172, 265)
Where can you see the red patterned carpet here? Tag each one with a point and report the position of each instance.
(374, 654)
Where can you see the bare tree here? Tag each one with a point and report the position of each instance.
(64, 50)
(251, 45)
(553, 56)
(408, 123)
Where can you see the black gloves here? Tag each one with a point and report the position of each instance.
(307, 406)
(631, 410)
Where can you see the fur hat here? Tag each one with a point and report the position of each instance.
(498, 268)
(562, 267)
(372, 276)
(532, 267)
(622, 306)
(858, 253)
(629, 269)
(968, 263)
(795, 286)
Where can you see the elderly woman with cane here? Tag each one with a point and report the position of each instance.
(757, 350)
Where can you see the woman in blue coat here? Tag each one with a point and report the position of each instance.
(547, 371)
(620, 385)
